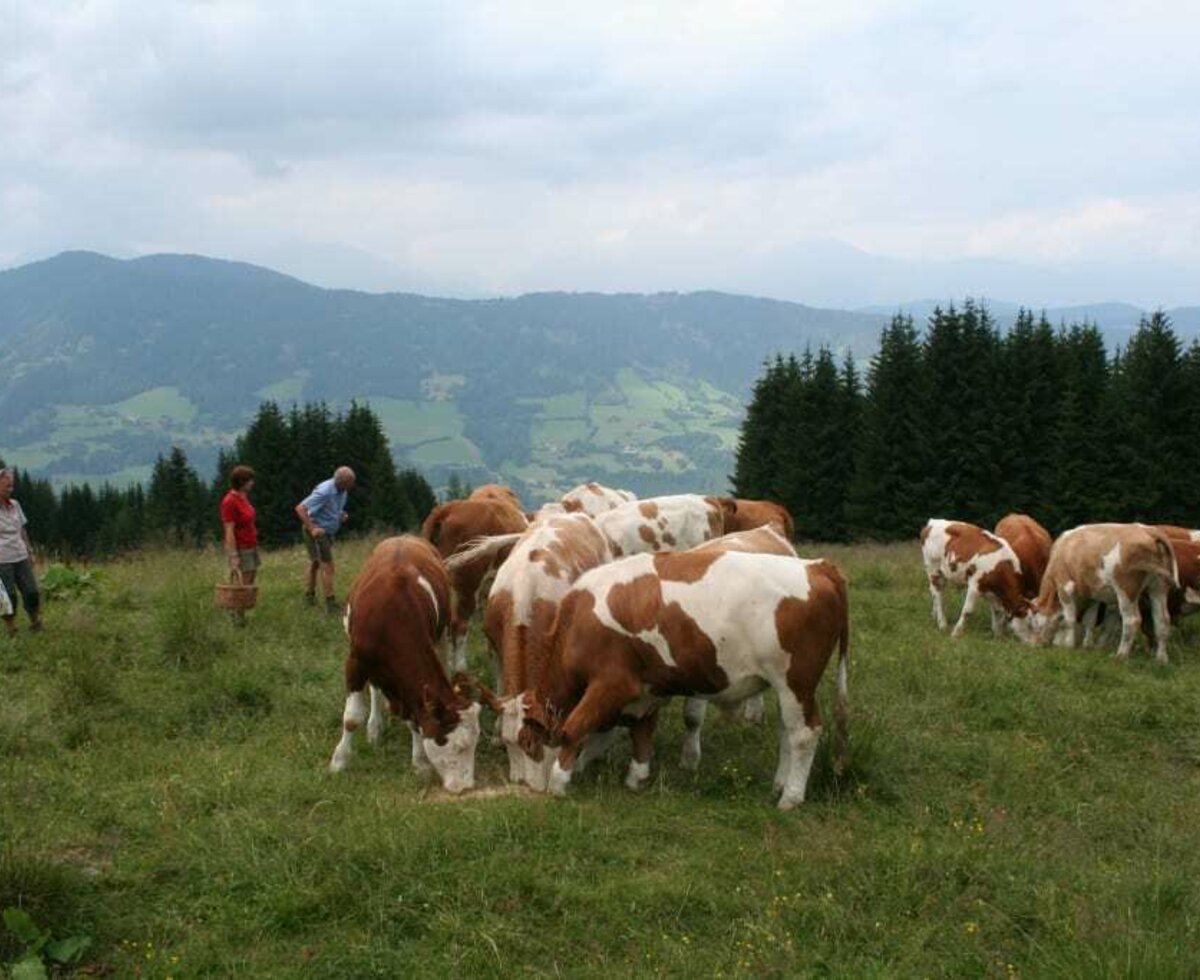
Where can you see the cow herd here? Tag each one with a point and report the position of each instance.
(600, 607)
(1048, 591)
(597, 609)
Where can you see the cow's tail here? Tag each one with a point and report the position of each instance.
(432, 528)
(841, 711)
(482, 547)
(1167, 553)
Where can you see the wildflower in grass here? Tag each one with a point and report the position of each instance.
(972, 928)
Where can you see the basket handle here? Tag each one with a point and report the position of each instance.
(235, 576)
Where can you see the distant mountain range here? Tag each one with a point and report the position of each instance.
(105, 362)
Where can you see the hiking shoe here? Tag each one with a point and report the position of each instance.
(36, 626)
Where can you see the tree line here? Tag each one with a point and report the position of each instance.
(964, 421)
(290, 453)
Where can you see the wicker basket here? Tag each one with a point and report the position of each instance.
(235, 595)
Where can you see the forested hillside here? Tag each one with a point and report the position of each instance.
(105, 364)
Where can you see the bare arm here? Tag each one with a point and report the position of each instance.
(306, 520)
(231, 549)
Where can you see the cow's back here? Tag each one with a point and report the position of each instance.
(403, 586)
(755, 513)
(452, 525)
(670, 523)
(1031, 543)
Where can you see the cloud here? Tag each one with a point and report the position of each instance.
(507, 146)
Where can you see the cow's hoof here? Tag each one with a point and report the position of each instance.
(689, 758)
(636, 778)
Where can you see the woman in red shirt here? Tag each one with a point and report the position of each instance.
(237, 518)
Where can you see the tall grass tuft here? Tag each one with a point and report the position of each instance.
(190, 634)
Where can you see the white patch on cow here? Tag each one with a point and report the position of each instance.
(1191, 596)
(559, 779)
(638, 773)
(424, 583)
(454, 762)
(346, 620)
(684, 516)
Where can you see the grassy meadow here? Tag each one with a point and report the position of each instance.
(1009, 811)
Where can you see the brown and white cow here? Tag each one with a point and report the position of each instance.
(1031, 543)
(1107, 563)
(594, 498)
(396, 618)
(452, 526)
(521, 607)
(496, 491)
(721, 625)
(755, 513)
(958, 553)
(671, 523)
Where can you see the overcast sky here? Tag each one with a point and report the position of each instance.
(1039, 152)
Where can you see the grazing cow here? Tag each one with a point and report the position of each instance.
(673, 523)
(593, 499)
(763, 539)
(962, 554)
(451, 527)
(1107, 563)
(396, 617)
(755, 513)
(522, 604)
(496, 491)
(717, 625)
(1031, 543)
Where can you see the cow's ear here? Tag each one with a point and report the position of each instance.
(530, 739)
(729, 505)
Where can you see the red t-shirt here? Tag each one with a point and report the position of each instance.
(237, 510)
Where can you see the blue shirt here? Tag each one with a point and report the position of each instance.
(325, 505)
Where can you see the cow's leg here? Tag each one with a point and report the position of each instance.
(1131, 622)
(1091, 616)
(375, 722)
(694, 710)
(642, 734)
(753, 709)
(595, 747)
(968, 607)
(802, 741)
(997, 621)
(353, 715)
(784, 766)
(1160, 617)
(420, 761)
(599, 708)
(936, 584)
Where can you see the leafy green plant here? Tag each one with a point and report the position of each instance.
(40, 946)
(62, 582)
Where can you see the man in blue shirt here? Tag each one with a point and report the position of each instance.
(322, 513)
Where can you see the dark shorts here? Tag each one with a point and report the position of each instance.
(248, 559)
(18, 578)
(319, 549)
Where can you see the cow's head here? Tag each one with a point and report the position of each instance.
(453, 753)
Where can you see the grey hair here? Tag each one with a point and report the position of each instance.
(342, 473)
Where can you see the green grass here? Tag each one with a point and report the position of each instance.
(1009, 810)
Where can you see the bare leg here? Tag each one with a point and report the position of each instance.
(327, 578)
(310, 579)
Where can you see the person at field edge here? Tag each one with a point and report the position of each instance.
(323, 512)
(240, 537)
(16, 559)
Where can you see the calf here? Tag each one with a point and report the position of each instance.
(717, 625)
(750, 514)
(496, 491)
(963, 554)
(521, 607)
(396, 617)
(672, 523)
(1107, 563)
(1031, 543)
(452, 526)
(593, 499)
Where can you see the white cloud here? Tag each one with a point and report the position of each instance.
(510, 146)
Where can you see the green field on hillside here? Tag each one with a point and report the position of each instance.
(1009, 811)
